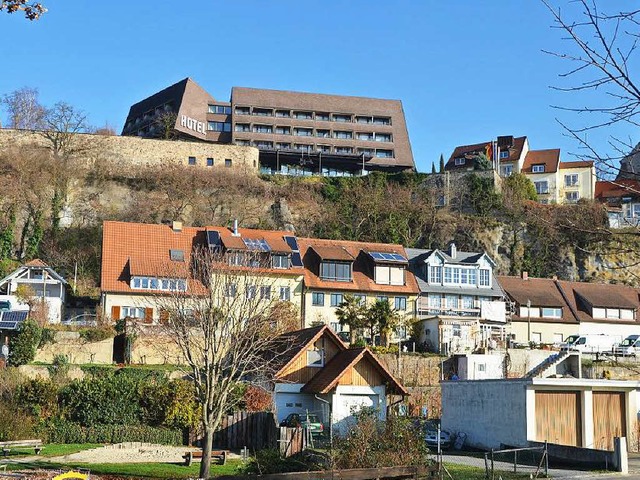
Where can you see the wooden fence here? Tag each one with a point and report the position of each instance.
(293, 440)
(422, 471)
(254, 430)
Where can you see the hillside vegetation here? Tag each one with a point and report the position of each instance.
(54, 210)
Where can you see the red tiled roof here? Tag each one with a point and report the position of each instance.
(333, 253)
(362, 273)
(617, 188)
(143, 249)
(36, 262)
(576, 164)
(549, 158)
(468, 151)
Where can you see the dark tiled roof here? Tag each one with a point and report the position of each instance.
(576, 164)
(333, 253)
(617, 189)
(293, 344)
(549, 158)
(542, 292)
(469, 151)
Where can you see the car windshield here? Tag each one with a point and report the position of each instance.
(312, 419)
(627, 342)
(572, 338)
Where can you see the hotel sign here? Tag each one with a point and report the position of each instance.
(192, 124)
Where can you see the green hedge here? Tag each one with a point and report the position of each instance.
(61, 431)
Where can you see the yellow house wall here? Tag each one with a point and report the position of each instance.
(520, 330)
(586, 182)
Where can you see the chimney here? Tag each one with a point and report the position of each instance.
(176, 226)
(525, 275)
(555, 278)
(453, 251)
(235, 228)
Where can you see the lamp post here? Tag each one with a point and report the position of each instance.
(529, 321)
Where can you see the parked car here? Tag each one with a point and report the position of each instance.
(84, 320)
(594, 343)
(308, 420)
(431, 436)
(629, 346)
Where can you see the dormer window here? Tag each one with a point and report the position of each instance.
(435, 274)
(280, 261)
(485, 277)
(336, 271)
(459, 161)
(389, 275)
(537, 168)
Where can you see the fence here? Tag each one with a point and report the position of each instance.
(294, 440)
(413, 472)
(531, 460)
(254, 430)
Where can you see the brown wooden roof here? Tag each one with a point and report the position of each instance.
(332, 252)
(550, 158)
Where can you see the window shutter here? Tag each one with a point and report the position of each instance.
(115, 313)
(148, 315)
(164, 316)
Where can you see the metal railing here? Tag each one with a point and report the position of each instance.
(536, 463)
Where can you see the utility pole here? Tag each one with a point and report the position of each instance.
(529, 321)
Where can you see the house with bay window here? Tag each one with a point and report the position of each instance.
(547, 310)
(143, 262)
(368, 271)
(461, 305)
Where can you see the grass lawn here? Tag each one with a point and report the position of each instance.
(136, 470)
(53, 449)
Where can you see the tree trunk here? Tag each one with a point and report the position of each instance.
(352, 335)
(207, 445)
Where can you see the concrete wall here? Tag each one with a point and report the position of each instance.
(490, 412)
(144, 151)
(76, 350)
(480, 367)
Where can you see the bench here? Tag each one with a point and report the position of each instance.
(7, 446)
(219, 455)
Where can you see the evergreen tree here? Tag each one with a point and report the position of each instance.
(6, 236)
(441, 163)
(433, 168)
(35, 238)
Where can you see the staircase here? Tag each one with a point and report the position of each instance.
(554, 359)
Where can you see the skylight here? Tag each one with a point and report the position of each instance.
(387, 257)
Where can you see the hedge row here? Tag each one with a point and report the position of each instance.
(70, 432)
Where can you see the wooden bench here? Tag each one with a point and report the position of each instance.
(7, 446)
(219, 455)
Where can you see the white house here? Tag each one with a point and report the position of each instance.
(461, 304)
(320, 375)
(45, 282)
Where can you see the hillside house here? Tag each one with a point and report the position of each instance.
(621, 198)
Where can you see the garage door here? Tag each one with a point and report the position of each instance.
(608, 418)
(558, 418)
(350, 404)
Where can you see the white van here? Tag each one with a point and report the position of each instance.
(629, 346)
(594, 343)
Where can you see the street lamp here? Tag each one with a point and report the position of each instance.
(529, 321)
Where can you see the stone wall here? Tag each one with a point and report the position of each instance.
(76, 350)
(143, 151)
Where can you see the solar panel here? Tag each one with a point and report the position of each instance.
(213, 238)
(389, 257)
(259, 245)
(15, 316)
(296, 259)
(292, 242)
(8, 325)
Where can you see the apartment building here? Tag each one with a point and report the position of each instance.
(546, 310)
(555, 181)
(296, 133)
(622, 200)
(141, 263)
(461, 305)
(368, 271)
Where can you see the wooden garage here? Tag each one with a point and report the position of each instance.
(608, 418)
(558, 417)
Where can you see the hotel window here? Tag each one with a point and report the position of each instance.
(344, 150)
(435, 274)
(220, 109)
(228, 162)
(283, 130)
(285, 294)
(192, 160)
(219, 126)
(341, 118)
(280, 261)
(504, 154)
(324, 148)
(342, 134)
(572, 196)
(283, 113)
(322, 117)
(542, 187)
(381, 121)
(243, 143)
(265, 292)
(571, 180)
(263, 112)
(263, 128)
(537, 168)
(243, 110)
(317, 299)
(459, 161)
(380, 153)
(323, 133)
(365, 136)
(209, 162)
(303, 115)
(361, 119)
(264, 144)
(303, 132)
(401, 303)
(336, 299)
(283, 146)
(337, 271)
(366, 151)
(484, 277)
(243, 127)
(302, 147)
(383, 137)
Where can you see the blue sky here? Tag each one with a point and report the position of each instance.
(466, 70)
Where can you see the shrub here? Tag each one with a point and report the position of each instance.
(48, 337)
(59, 368)
(97, 334)
(23, 347)
(38, 396)
(14, 423)
(61, 431)
(270, 461)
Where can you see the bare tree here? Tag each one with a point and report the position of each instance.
(602, 58)
(32, 10)
(24, 109)
(226, 323)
